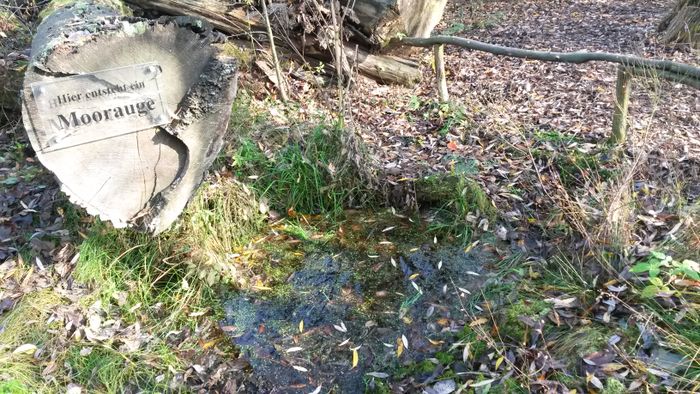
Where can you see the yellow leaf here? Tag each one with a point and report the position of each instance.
(399, 348)
(435, 342)
(355, 358)
(301, 326)
(533, 274)
(414, 276)
(27, 348)
(478, 322)
(499, 361)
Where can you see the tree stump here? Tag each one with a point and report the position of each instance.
(127, 113)
(682, 24)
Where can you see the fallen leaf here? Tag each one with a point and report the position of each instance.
(27, 348)
(317, 390)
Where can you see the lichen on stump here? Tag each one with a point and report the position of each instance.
(139, 178)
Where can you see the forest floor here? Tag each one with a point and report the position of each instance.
(492, 244)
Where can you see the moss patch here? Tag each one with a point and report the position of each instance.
(511, 327)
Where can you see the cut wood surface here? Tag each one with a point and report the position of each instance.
(233, 19)
(141, 178)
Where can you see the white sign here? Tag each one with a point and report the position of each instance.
(89, 107)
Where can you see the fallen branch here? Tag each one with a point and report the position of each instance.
(683, 72)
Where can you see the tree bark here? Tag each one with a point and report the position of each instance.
(381, 21)
(678, 72)
(233, 19)
(140, 178)
(10, 85)
(440, 74)
(13, 57)
(682, 24)
(622, 101)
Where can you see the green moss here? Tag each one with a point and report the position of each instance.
(511, 327)
(444, 358)
(478, 346)
(509, 386)
(377, 386)
(570, 381)
(415, 369)
(455, 196)
(614, 386)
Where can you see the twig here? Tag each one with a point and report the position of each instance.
(278, 69)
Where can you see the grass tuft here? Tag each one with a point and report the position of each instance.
(310, 174)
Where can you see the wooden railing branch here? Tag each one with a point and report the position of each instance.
(682, 72)
(629, 66)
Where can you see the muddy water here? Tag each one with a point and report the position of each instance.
(392, 311)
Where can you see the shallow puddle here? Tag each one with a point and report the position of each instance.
(358, 314)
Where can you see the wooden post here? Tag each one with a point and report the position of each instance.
(439, 51)
(622, 99)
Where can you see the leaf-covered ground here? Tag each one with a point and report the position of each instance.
(503, 246)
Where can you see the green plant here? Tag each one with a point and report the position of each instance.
(308, 174)
(456, 198)
(662, 270)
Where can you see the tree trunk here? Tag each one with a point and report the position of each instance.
(127, 113)
(380, 21)
(233, 19)
(682, 24)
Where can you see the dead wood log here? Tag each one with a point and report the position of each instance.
(235, 20)
(11, 75)
(14, 40)
(127, 113)
(378, 22)
(682, 24)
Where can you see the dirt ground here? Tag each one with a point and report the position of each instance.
(529, 134)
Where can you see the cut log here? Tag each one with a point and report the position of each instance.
(380, 21)
(127, 113)
(682, 24)
(232, 19)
